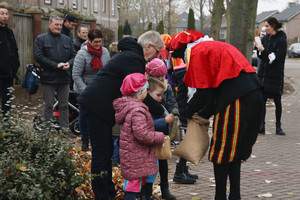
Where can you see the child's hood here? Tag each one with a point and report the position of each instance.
(124, 105)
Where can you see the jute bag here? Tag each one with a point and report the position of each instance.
(174, 130)
(163, 151)
(196, 141)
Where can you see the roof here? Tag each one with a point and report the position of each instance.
(288, 13)
(265, 15)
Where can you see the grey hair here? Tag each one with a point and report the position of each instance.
(54, 17)
(151, 37)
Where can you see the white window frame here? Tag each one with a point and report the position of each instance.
(85, 4)
(49, 2)
(103, 5)
(61, 1)
(74, 4)
(96, 6)
(113, 10)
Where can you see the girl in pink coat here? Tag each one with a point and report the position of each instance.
(137, 137)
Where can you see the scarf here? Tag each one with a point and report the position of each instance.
(96, 60)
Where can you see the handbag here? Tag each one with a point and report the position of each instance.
(196, 141)
(163, 151)
(174, 130)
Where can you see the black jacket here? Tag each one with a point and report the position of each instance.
(210, 101)
(65, 31)
(98, 96)
(49, 50)
(272, 75)
(9, 57)
(77, 43)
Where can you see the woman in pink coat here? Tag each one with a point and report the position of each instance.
(137, 137)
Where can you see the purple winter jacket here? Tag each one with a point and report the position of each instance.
(137, 138)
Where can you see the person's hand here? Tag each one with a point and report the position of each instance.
(166, 138)
(259, 47)
(60, 65)
(66, 66)
(169, 118)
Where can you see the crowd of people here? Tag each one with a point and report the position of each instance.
(140, 88)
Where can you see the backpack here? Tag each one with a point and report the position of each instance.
(30, 82)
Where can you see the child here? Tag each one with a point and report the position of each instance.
(137, 137)
(156, 90)
(157, 69)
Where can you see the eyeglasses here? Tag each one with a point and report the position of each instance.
(97, 41)
(157, 51)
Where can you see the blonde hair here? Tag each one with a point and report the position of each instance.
(113, 47)
(154, 84)
(151, 37)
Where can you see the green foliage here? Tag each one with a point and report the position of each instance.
(127, 28)
(191, 20)
(108, 36)
(56, 12)
(149, 26)
(120, 32)
(35, 165)
(33, 10)
(160, 27)
(8, 6)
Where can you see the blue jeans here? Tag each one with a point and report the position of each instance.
(83, 125)
(115, 156)
(100, 133)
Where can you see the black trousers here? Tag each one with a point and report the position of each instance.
(222, 171)
(278, 106)
(5, 83)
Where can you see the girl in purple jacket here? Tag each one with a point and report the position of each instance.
(137, 137)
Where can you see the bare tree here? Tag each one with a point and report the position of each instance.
(243, 16)
(198, 7)
(217, 12)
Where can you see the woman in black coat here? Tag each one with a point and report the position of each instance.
(272, 51)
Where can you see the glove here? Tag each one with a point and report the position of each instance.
(271, 57)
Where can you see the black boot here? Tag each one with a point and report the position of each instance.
(181, 177)
(279, 131)
(187, 173)
(262, 128)
(165, 192)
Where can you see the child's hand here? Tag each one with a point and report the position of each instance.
(169, 118)
(166, 138)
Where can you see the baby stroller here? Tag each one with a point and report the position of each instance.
(39, 122)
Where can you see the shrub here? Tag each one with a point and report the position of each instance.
(35, 165)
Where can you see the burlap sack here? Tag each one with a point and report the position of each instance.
(163, 151)
(174, 130)
(196, 141)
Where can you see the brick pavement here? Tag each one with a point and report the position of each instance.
(274, 158)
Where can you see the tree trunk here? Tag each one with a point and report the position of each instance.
(243, 16)
(169, 18)
(217, 12)
(201, 15)
(228, 19)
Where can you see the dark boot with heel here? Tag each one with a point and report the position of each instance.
(181, 177)
(279, 131)
(188, 174)
(165, 192)
(262, 129)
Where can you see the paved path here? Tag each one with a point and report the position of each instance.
(275, 158)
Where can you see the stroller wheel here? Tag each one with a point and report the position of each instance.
(74, 126)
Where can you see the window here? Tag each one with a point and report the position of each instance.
(61, 1)
(74, 4)
(96, 6)
(103, 5)
(85, 4)
(48, 2)
(113, 7)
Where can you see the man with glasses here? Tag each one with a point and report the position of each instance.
(55, 54)
(97, 101)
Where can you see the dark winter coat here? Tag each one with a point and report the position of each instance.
(77, 44)
(65, 31)
(169, 101)
(9, 57)
(105, 87)
(49, 50)
(137, 138)
(272, 75)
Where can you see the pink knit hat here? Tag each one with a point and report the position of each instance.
(156, 67)
(133, 83)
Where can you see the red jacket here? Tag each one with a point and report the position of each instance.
(137, 138)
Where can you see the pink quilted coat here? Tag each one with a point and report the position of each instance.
(137, 138)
